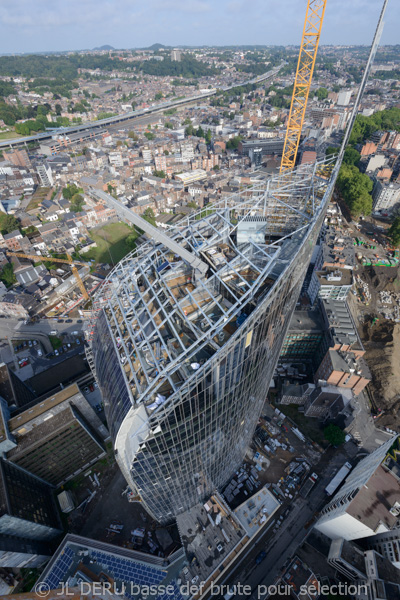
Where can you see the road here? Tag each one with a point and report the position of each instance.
(126, 117)
(280, 546)
(13, 329)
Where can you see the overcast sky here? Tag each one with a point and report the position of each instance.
(41, 25)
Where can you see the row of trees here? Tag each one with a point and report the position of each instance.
(354, 186)
(199, 132)
(364, 127)
(188, 67)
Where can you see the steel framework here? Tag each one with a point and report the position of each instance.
(184, 360)
(305, 68)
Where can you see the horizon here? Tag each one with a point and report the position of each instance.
(183, 23)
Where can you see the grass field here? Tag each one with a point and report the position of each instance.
(38, 198)
(111, 245)
(7, 135)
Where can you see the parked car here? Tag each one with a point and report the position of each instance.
(23, 363)
(39, 352)
(91, 387)
(260, 557)
(78, 341)
(56, 352)
(79, 321)
(60, 320)
(68, 321)
(65, 348)
(86, 390)
(34, 342)
(30, 343)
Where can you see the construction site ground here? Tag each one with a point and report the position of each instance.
(375, 317)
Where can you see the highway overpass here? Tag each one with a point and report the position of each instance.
(129, 116)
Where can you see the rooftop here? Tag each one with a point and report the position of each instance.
(257, 510)
(374, 501)
(338, 316)
(210, 533)
(306, 320)
(82, 559)
(30, 414)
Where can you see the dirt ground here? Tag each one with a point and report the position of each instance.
(381, 340)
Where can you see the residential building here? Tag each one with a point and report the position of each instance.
(386, 197)
(334, 283)
(344, 98)
(13, 240)
(18, 157)
(340, 324)
(368, 502)
(344, 369)
(45, 175)
(176, 55)
(387, 544)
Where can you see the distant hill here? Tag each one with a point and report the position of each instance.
(106, 47)
(156, 47)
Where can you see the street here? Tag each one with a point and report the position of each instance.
(13, 329)
(280, 546)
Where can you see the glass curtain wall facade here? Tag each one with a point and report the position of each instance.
(184, 362)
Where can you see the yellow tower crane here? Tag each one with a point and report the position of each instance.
(305, 68)
(69, 260)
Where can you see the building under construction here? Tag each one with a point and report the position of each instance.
(186, 333)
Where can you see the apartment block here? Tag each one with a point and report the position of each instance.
(344, 369)
(368, 502)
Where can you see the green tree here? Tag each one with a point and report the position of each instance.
(150, 216)
(77, 203)
(149, 135)
(233, 143)
(334, 435)
(355, 188)
(394, 231)
(216, 167)
(70, 190)
(158, 96)
(132, 135)
(208, 136)
(200, 132)
(8, 223)
(7, 275)
(189, 130)
(351, 156)
(58, 109)
(130, 241)
(321, 93)
(159, 174)
(166, 152)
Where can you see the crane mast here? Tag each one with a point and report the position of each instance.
(305, 68)
(69, 260)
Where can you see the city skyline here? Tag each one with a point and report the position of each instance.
(46, 27)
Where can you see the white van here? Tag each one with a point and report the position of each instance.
(54, 332)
